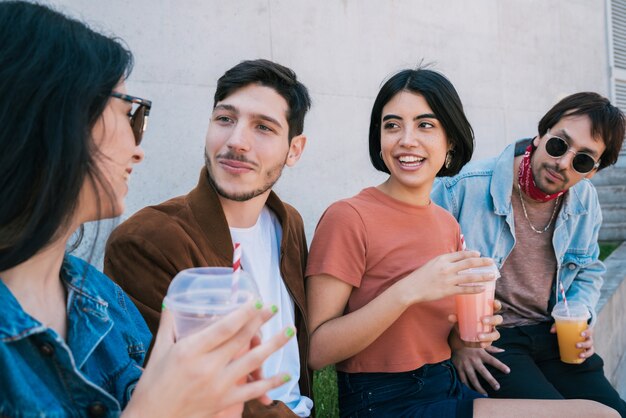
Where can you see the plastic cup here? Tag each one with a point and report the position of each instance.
(472, 308)
(198, 297)
(570, 322)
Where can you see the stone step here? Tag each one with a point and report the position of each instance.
(613, 213)
(610, 176)
(613, 231)
(612, 194)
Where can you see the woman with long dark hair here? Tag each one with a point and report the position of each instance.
(71, 342)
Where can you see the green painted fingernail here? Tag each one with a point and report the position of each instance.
(163, 306)
(274, 309)
(290, 332)
(286, 378)
(258, 304)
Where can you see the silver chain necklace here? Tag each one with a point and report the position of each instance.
(519, 189)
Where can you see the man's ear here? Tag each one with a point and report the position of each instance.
(295, 150)
(536, 140)
(590, 174)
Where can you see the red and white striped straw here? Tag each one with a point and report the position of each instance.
(234, 287)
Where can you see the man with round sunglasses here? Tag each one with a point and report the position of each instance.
(534, 212)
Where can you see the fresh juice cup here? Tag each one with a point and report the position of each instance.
(472, 308)
(198, 297)
(570, 321)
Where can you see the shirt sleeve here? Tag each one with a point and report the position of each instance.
(339, 246)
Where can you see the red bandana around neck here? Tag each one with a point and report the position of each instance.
(527, 181)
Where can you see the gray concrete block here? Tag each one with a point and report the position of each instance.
(613, 231)
(612, 194)
(613, 213)
(610, 176)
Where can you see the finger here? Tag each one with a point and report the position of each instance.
(588, 333)
(488, 377)
(164, 337)
(471, 374)
(553, 329)
(460, 255)
(495, 363)
(494, 349)
(492, 320)
(253, 359)
(471, 262)
(255, 390)
(243, 340)
(488, 337)
(250, 316)
(473, 278)
(452, 318)
(585, 344)
(461, 373)
(497, 305)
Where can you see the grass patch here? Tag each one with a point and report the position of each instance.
(325, 393)
(607, 247)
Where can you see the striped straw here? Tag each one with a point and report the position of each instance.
(562, 290)
(234, 287)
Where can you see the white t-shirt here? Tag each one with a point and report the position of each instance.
(260, 257)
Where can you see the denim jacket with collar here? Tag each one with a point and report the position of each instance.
(479, 197)
(89, 374)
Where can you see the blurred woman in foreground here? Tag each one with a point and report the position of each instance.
(71, 342)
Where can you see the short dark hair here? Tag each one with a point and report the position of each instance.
(269, 74)
(444, 101)
(607, 121)
(56, 76)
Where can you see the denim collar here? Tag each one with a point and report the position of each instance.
(502, 186)
(81, 294)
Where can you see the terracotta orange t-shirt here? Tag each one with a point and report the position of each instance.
(371, 241)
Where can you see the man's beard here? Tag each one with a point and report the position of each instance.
(548, 188)
(272, 177)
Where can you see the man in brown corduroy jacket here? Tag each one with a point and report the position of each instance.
(254, 132)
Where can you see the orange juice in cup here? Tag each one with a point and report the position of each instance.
(571, 321)
(472, 308)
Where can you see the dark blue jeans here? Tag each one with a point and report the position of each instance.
(433, 390)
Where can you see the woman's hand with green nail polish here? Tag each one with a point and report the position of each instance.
(202, 374)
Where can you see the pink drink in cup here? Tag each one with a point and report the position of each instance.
(198, 297)
(471, 309)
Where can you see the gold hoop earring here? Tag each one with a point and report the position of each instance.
(448, 160)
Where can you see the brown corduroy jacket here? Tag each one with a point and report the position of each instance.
(146, 251)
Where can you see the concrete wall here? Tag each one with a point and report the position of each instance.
(509, 59)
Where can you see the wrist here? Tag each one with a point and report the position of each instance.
(454, 339)
(404, 295)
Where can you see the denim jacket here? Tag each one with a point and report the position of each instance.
(89, 374)
(479, 197)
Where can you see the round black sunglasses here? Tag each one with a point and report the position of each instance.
(582, 162)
